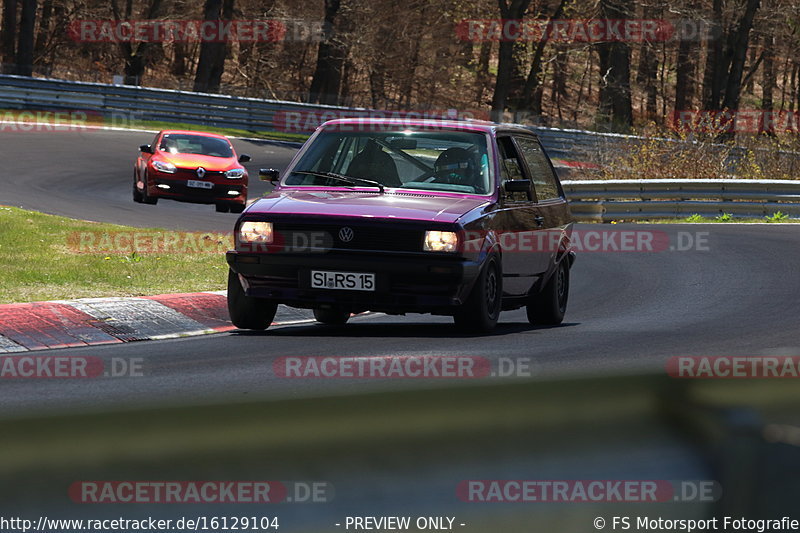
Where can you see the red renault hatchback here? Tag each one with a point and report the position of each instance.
(191, 166)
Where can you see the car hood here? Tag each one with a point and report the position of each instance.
(398, 205)
(195, 160)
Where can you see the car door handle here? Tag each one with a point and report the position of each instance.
(539, 221)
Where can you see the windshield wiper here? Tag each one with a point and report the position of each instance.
(350, 180)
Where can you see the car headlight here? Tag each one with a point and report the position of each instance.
(234, 173)
(441, 241)
(163, 166)
(258, 232)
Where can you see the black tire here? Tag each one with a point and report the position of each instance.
(237, 208)
(137, 194)
(331, 317)
(245, 311)
(146, 198)
(482, 309)
(549, 306)
(222, 208)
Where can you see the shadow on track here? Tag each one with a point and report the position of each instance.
(395, 330)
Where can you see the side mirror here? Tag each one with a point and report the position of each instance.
(146, 149)
(244, 158)
(519, 186)
(269, 174)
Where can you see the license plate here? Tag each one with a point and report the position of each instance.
(200, 184)
(348, 281)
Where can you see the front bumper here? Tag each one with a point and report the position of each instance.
(179, 190)
(404, 282)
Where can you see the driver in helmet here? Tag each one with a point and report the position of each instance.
(456, 166)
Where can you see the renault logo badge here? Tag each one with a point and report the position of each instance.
(201, 172)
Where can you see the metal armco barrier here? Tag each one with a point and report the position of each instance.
(592, 200)
(607, 200)
(124, 105)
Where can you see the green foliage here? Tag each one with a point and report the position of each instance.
(777, 217)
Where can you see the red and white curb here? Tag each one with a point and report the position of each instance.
(90, 321)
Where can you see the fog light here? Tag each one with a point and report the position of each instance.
(233, 193)
(163, 186)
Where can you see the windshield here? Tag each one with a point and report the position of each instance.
(447, 161)
(180, 143)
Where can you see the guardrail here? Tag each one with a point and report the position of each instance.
(593, 200)
(129, 104)
(607, 200)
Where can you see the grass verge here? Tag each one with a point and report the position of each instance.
(46, 257)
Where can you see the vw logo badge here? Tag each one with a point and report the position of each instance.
(346, 234)
(201, 172)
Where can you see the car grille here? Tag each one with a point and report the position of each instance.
(368, 238)
(191, 174)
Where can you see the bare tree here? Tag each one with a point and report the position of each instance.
(327, 81)
(615, 63)
(135, 54)
(211, 64)
(8, 36)
(27, 24)
(505, 67)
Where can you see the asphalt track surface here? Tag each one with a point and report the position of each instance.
(628, 311)
(89, 175)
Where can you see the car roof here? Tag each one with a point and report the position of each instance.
(190, 132)
(471, 125)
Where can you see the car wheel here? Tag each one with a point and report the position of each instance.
(137, 194)
(247, 312)
(222, 208)
(549, 306)
(237, 208)
(146, 198)
(482, 309)
(332, 317)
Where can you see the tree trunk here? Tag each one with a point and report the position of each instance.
(211, 64)
(715, 68)
(647, 75)
(27, 25)
(738, 55)
(44, 27)
(135, 55)
(8, 37)
(615, 88)
(684, 83)
(327, 81)
(527, 99)
(482, 74)
(505, 67)
(768, 83)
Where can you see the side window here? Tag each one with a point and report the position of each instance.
(544, 181)
(511, 167)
